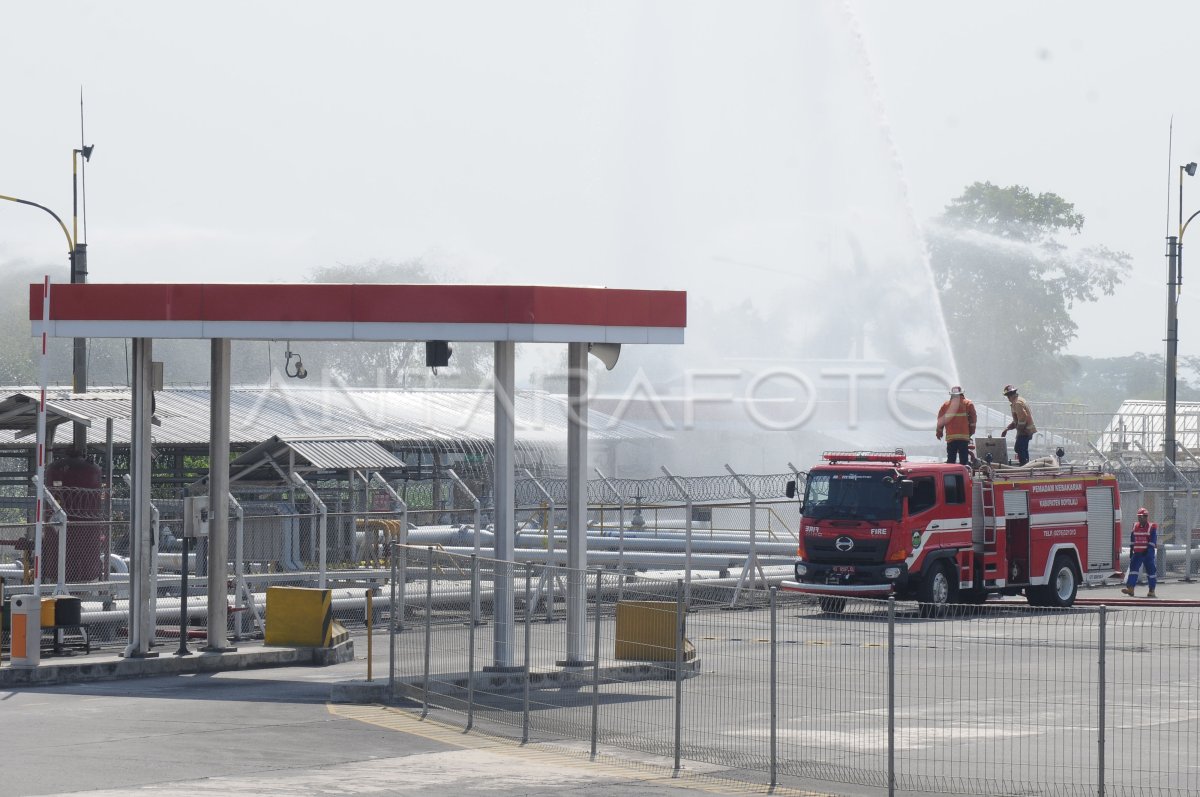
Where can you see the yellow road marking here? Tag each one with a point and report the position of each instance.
(434, 730)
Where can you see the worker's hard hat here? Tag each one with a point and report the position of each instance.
(1143, 511)
(1010, 389)
(956, 390)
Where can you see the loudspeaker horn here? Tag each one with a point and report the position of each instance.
(607, 353)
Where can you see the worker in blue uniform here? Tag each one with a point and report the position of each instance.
(1143, 541)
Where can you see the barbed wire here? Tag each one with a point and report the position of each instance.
(1154, 475)
(659, 490)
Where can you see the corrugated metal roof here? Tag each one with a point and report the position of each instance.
(19, 413)
(344, 454)
(315, 453)
(416, 418)
(1143, 422)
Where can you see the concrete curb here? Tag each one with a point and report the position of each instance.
(455, 684)
(84, 671)
(364, 692)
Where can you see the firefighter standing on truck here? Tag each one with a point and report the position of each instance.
(956, 419)
(1022, 422)
(1143, 541)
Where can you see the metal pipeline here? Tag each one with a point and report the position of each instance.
(673, 545)
(642, 559)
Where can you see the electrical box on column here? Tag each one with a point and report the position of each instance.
(195, 516)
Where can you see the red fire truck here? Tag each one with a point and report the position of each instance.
(875, 524)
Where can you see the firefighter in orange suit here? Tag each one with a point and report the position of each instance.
(956, 420)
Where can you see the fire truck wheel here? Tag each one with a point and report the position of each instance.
(1064, 584)
(936, 591)
(832, 605)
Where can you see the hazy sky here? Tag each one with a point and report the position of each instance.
(630, 144)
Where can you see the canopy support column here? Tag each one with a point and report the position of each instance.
(142, 552)
(218, 497)
(505, 506)
(577, 387)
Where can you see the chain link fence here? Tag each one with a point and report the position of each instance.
(282, 535)
(1177, 514)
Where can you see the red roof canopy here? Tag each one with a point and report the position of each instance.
(327, 311)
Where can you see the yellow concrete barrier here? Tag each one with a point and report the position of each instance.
(48, 612)
(299, 616)
(646, 632)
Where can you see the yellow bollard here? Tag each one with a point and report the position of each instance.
(370, 646)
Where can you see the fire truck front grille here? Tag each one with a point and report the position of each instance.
(827, 552)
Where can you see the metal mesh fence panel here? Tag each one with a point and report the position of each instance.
(726, 707)
(833, 690)
(639, 713)
(1153, 667)
(1177, 514)
(998, 700)
(1001, 698)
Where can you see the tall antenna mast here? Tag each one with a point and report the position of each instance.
(79, 273)
(83, 141)
(1170, 143)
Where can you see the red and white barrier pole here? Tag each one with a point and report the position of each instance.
(43, 378)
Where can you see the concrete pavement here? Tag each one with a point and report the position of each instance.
(273, 733)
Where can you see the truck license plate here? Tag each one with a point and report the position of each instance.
(845, 569)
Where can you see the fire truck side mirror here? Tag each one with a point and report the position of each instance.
(790, 489)
(907, 488)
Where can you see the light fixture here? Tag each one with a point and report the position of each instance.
(1190, 169)
(86, 152)
(607, 353)
(300, 372)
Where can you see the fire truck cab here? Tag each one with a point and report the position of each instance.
(875, 524)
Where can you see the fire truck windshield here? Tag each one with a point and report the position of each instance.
(853, 495)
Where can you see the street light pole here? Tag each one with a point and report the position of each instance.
(1174, 283)
(77, 255)
(66, 232)
(1173, 257)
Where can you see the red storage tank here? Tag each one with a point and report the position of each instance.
(77, 485)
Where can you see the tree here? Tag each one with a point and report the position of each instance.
(1103, 383)
(1008, 282)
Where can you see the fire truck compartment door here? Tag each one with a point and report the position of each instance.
(1101, 525)
(1016, 505)
(1016, 528)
